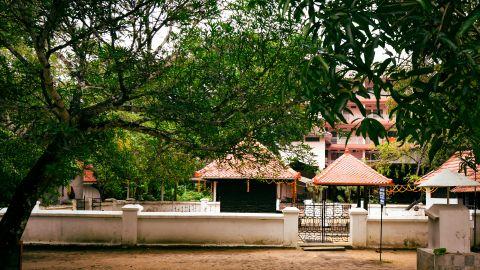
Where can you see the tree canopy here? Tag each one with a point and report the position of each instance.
(75, 73)
(425, 54)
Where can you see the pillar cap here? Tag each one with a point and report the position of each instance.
(290, 210)
(358, 211)
(132, 207)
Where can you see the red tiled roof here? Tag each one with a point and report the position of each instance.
(247, 167)
(88, 174)
(347, 170)
(454, 164)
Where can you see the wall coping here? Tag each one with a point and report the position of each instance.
(393, 205)
(107, 201)
(182, 215)
(75, 213)
(399, 219)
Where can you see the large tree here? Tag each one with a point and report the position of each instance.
(176, 70)
(424, 53)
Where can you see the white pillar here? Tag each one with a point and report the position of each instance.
(88, 203)
(129, 224)
(214, 195)
(290, 226)
(358, 227)
(428, 197)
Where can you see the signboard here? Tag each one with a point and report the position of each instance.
(381, 192)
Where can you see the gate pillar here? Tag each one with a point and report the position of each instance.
(290, 226)
(358, 227)
(129, 224)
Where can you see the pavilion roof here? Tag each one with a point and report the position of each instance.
(88, 174)
(266, 166)
(454, 164)
(347, 170)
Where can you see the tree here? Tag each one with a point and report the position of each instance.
(429, 64)
(73, 71)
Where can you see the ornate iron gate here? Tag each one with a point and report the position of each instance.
(324, 222)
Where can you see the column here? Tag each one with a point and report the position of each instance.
(214, 195)
(129, 224)
(359, 197)
(366, 193)
(358, 227)
(290, 226)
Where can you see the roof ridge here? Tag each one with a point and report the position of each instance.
(331, 166)
(348, 166)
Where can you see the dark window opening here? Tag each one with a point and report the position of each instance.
(312, 139)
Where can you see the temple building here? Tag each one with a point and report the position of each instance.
(82, 187)
(350, 171)
(250, 184)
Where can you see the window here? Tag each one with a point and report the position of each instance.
(312, 139)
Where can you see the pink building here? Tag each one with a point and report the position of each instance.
(328, 145)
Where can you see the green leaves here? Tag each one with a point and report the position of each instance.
(469, 21)
(431, 73)
(371, 128)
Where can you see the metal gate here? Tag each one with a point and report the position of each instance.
(324, 222)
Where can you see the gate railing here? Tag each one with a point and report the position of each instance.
(324, 222)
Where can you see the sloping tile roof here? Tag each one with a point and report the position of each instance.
(247, 167)
(88, 174)
(347, 170)
(454, 164)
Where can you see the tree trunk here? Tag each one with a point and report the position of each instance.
(26, 195)
(175, 191)
(162, 191)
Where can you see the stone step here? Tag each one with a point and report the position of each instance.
(325, 248)
(336, 244)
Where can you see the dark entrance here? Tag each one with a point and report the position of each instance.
(324, 222)
(233, 196)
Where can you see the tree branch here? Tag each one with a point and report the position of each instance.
(97, 27)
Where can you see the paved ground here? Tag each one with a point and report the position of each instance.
(203, 259)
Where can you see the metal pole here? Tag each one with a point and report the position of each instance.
(381, 229)
(475, 212)
(323, 222)
(448, 195)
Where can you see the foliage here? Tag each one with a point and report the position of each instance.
(395, 152)
(75, 75)
(425, 54)
(190, 195)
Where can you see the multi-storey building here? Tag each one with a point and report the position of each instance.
(330, 143)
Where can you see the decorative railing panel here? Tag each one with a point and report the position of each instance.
(324, 222)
